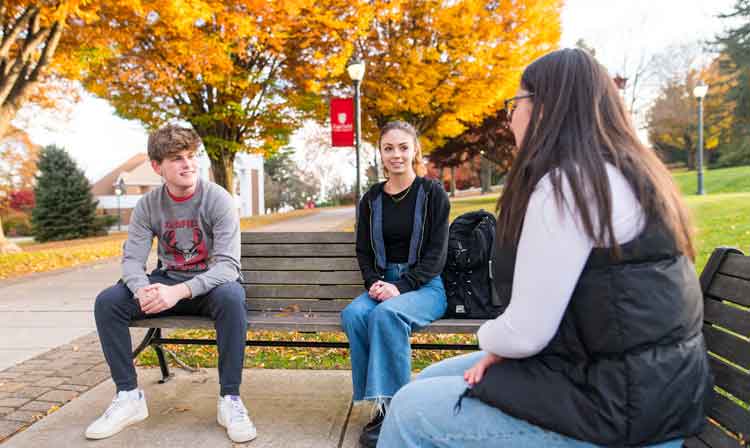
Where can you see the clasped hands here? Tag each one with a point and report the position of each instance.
(158, 297)
(382, 291)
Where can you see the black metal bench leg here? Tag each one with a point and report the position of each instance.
(165, 375)
(145, 342)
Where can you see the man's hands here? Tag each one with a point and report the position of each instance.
(382, 291)
(158, 297)
(475, 373)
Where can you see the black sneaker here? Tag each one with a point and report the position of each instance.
(371, 431)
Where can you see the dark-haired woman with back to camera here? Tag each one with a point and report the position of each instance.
(601, 342)
(402, 244)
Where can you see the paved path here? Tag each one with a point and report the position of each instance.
(291, 408)
(325, 220)
(49, 310)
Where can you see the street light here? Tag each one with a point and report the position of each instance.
(356, 69)
(700, 92)
(119, 190)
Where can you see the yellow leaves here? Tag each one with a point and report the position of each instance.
(440, 64)
(59, 255)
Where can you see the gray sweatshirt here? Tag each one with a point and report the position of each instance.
(198, 238)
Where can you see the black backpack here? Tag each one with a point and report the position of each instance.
(469, 268)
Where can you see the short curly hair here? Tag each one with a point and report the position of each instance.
(171, 139)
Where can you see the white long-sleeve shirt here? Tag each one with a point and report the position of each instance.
(552, 252)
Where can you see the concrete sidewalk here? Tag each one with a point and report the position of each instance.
(326, 220)
(291, 408)
(49, 310)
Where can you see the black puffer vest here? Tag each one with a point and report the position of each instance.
(628, 365)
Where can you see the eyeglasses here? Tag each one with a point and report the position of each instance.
(510, 106)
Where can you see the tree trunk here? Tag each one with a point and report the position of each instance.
(453, 181)
(691, 158)
(7, 113)
(6, 247)
(484, 174)
(222, 168)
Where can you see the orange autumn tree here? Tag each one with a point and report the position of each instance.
(672, 120)
(221, 66)
(442, 66)
(30, 33)
(18, 159)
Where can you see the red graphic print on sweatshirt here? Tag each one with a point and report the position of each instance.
(185, 243)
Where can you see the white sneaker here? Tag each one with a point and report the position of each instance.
(231, 414)
(126, 409)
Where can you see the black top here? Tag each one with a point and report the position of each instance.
(398, 223)
(432, 250)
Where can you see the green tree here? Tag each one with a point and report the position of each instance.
(735, 44)
(285, 184)
(65, 208)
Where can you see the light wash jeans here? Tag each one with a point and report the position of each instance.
(379, 333)
(421, 415)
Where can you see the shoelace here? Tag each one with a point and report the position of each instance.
(239, 413)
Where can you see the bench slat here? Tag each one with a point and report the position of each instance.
(298, 250)
(299, 264)
(296, 237)
(730, 288)
(729, 414)
(731, 379)
(303, 291)
(727, 346)
(303, 278)
(736, 265)
(727, 316)
(715, 437)
(304, 305)
(308, 322)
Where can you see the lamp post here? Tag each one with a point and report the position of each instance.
(119, 190)
(700, 92)
(356, 69)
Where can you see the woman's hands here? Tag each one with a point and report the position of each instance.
(475, 373)
(382, 291)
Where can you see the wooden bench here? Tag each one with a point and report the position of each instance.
(725, 282)
(294, 282)
(299, 282)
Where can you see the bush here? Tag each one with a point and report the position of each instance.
(102, 224)
(735, 154)
(17, 224)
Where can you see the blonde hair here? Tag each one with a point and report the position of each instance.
(417, 163)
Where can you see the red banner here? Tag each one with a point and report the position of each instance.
(342, 122)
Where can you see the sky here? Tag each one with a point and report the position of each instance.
(618, 30)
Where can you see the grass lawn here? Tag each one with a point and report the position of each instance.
(723, 180)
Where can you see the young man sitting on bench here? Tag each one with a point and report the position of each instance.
(198, 236)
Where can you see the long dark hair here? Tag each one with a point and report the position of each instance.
(578, 124)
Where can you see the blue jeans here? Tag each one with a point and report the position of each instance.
(421, 415)
(379, 332)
